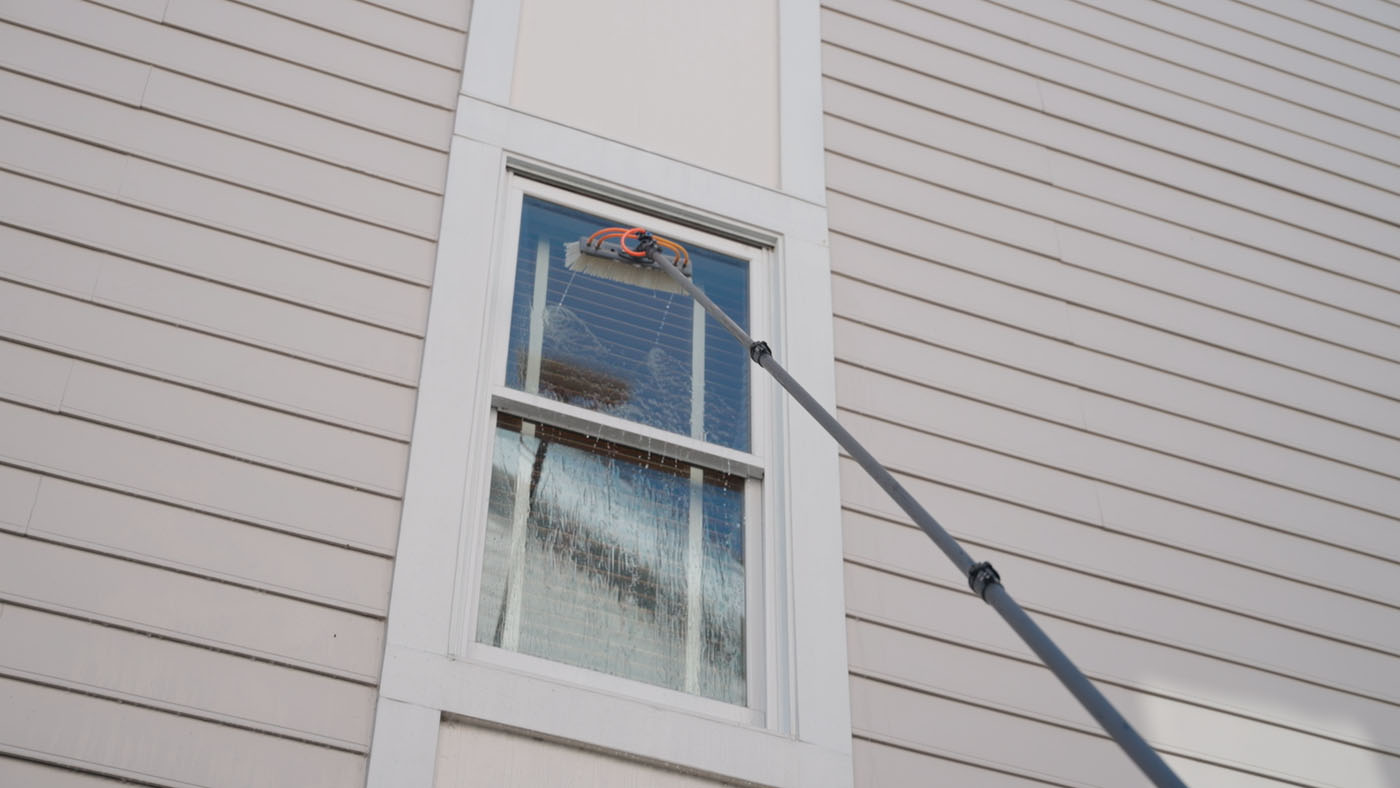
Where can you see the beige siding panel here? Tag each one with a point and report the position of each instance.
(29, 774)
(899, 196)
(210, 254)
(997, 83)
(1186, 115)
(1005, 741)
(452, 14)
(946, 132)
(295, 42)
(948, 369)
(1252, 46)
(92, 275)
(49, 264)
(1202, 361)
(25, 149)
(67, 63)
(894, 171)
(1346, 24)
(18, 490)
(112, 337)
(1049, 284)
(1262, 22)
(185, 679)
(1269, 570)
(972, 423)
(211, 546)
(1029, 689)
(1094, 44)
(1161, 618)
(267, 322)
(1173, 428)
(882, 764)
(220, 155)
(237, 68)
(1202, 285)
(978, 468)
(296, 130)
(1185, 52)
(1245, 411)
(32, 376)
(1158, 518)
(269, 218)
(1359, 248)
(190, 608)
(1155, 516)
(150, 9)
(378, 26)
(244, 431)
(117, 739)
(1297, 200)
(1109, 458)
(971, 285)
(945, 206)
(1116, 579)
(949, 612)
(1176, 356)
(219, 204)
(1220, 159)
(42, 441)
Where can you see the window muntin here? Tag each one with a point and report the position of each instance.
(656, 543)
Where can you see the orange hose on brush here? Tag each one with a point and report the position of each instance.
(621, 235)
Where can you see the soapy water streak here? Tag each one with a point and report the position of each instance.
(605, 563)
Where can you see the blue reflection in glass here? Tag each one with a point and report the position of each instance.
(625, 350)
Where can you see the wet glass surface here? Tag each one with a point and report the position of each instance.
(624, 350)
(616, 560)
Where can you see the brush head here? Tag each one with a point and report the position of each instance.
(606, 260)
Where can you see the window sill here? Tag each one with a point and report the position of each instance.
(634, 727)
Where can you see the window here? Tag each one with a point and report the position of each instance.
(623, 518)
(477, 431)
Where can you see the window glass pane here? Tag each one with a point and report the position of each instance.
(608, 558)
(625, 350)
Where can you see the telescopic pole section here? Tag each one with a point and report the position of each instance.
(981, 577)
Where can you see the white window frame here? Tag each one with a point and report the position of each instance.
(804, 738)
(762, 602)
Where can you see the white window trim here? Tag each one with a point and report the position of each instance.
(806, 735)
(764, 603)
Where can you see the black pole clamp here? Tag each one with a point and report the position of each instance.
(979, 576)
(758, 350)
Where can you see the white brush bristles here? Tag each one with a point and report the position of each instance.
(649, 276)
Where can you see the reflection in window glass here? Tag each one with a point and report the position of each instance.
(627, 351)
(615, 560)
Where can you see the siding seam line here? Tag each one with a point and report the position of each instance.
(1137, 636)
(180, 710)
(1110, 483)
(186, 639)
(1097, 678)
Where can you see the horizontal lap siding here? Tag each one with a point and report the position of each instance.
(1116, 297)
(218, 221)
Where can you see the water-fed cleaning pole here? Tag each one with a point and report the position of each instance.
(982, 578)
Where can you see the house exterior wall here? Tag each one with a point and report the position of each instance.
(217, 230)
(443, 693)
(1116, 290)
(1115, 294)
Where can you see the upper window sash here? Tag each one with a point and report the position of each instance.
(748, 461)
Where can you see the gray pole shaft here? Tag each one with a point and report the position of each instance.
(993, 592)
